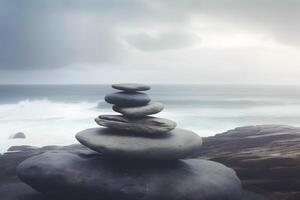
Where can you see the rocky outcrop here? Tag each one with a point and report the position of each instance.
(266, 158)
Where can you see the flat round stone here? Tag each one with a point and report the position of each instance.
(177, 144)
(144, 125)
(74, 175)
(128, 99)
(131, 87)
(140, 111)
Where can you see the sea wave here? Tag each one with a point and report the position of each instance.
(47, 122)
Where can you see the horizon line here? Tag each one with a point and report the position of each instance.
(232, 84)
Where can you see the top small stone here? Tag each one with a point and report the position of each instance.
(131, 87)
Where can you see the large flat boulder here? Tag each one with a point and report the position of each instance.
(11, 188)
(85, 174)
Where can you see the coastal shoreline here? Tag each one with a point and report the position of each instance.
(266, 158)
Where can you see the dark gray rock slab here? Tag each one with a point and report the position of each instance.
(79, 175)
(265, 157)
(131, 87)
(144, 125)
(177, 144)
(140, 111)
(128, 99)
(22, 148)
(19, 135)
(20, 191)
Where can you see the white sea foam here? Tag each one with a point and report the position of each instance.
(44, 122)
(48, 122)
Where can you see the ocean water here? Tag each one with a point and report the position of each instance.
(52, 114)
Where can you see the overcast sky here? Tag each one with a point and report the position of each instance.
(153, 41)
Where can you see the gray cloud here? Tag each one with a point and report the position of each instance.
(58, 33)
(162, 41)
(278, 18)
(40, 34)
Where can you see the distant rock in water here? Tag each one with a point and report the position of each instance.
(19, 135)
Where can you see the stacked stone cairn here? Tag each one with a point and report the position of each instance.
(135, 157)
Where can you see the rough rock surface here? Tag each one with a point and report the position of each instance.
(131, 87)
(176, 144)
(19, 135)
(85, 174)
(128, 99)
(140, 111)
(145, 125)
(266, 158)
(21, 148)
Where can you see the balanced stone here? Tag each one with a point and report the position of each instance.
(143, 125)
(131, 87)
(128, 99)
(79, 175)
(140, 111)
(177, 144)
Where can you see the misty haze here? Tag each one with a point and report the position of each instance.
(149, 100)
